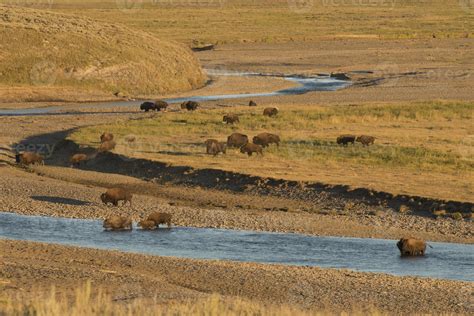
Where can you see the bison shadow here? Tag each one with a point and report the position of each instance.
(59, 200)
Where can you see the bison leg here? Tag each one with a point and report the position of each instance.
(115, 203)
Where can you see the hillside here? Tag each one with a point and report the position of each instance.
(50, 56)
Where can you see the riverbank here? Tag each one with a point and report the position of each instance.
(30, 268)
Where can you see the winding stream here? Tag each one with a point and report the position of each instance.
(443, 261)
(304, 85)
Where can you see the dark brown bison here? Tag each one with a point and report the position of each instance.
(106, 137)
(346, 139)
(107, 146)
(189, 105)
(365, 140)
(29, 158)
(117, 223)
(250, 148)
(411, 247)
(265, 139)
(252, 103)
(160, 218)
(114, 195)
(270, 112)
(161, 105)
(147, 224)
(231, 118)
(237, 140)
(147, 106)
(77, 159)
(209, 143)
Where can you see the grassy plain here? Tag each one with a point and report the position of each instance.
(421, 148)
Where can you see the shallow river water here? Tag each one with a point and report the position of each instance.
(444, 260)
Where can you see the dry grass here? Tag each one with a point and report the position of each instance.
(87, 303)
(49, 54)
(426, 147)
(234, 21)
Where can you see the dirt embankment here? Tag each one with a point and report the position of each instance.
(48, 56)
(27, 267)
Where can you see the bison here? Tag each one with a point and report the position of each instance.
(29, 158)
(106, 137)
(148, 106)
(252, 103)
(237, 140)
(77, 159)
(231, 118)
(365, 140)
(216, 148)
(270, 112)
(189, 105)
(250, 148)
(107, 146)
(114, 195)
(160, 218)
(117, 223)
(161, 105)
(346, 139)
(265, 139)
(147, 224)
(411, 247)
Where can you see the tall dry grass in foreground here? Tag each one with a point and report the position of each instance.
(85, 303)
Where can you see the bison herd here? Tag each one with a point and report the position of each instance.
(241, 141)
(365, 140)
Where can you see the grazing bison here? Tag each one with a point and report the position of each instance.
(77, 159)
(148, 106)
(216, 148)
(365, 140)
(270, 112)
(29, 158)
(160, 218)
(107, 146)
(106, 137)
(265, 139)
(189, 105)
(147, 224)
(346, 139)
(250, 148)
(252, 103)
(411, 247)
(114, 195)
(231, 118)
(237, 140)
(161, 105)
(209, 143)
(117, 223)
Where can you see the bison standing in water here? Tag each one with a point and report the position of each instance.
(346, 139)
(29, 158)
(270, 112)
(250, 148)
(189, 105)
(114, 195)
(231, 118)
(147, 224)
(160, 218)
(237, 140)
(265, 139)
(117, 223)
(366, 140)
(411, 247)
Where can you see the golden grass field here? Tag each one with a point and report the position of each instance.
(421, 148)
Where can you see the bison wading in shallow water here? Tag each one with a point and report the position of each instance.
(230, 118)
(265, 139)
(77, 159)
(346, 139)
(106, 137)
(114, 195)
(250, 148)
(29, 158)
(160, 218)
(365, 140)
(117, 223)
(270, 112)
(411, 247)
(147, 224)
(237, 140)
